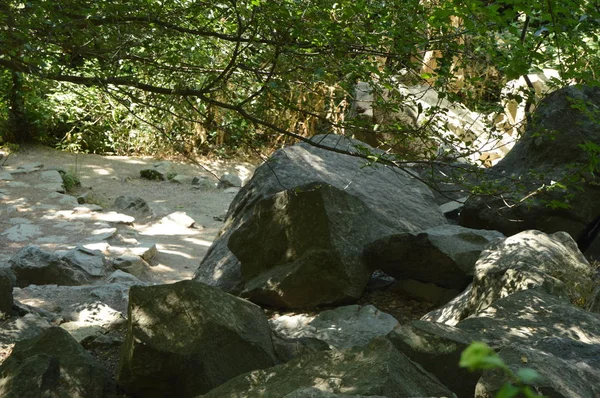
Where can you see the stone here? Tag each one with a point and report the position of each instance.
(530, 259)
(18, 328)
(87, 208)
(22, 232)
(438, 349)
(303, 248)
(7, 282)
(101, 231)
(6, 176)
(528, 316)
(452, 209)
(186, 338)
(51, 181)
(28, 168)
(63, 199)
(427, 292)
(398, 202)
(32, 265)
(92, 320)
(444, 255)
(134, 265)
(133, 206)
(343, 327)
(203, 183)
(92, 262)
(547, 152)
(159, 171)
(180, 218)
(567, 368)
(73, 302)
(375, 369)
(313, 392)
(112, 217)
(182, 179)
(147, 251)
(53, 364)
(287, 349)
(229, 180)
(120, 276)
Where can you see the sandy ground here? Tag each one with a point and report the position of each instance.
(108, 177)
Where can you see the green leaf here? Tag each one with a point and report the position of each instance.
(508, 391)
(527, 375)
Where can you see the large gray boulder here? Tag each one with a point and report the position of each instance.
(303, 247)
(32, 265)
(74, 303)
(438, 349)
(443, 255)
(529, 316)
(53, 365)
(549, 151)
(394, 199)
(530, 259)
(92, 262)
(186, 338)
(343, 327)
(7, 283)
(567, 368)
(313, 392)
(375, 369)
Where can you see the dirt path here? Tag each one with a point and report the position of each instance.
(180, 249)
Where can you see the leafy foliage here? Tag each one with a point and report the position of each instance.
(479, 356)
(209, 76)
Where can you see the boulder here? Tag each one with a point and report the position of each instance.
(203, 183)
(134, 265)
(287, 349)
(133, 206)
(53, 365)
(438, 349)
(396, 200)
(530, 259)
(179, 218)
(18, 328)
(92, 262)
(375, 369)
(313, 392)
(159, 171)
(303, 247)
(342, 327)
(229, 180)
(528, 316)
(186, 338)
(549, 151)
(7, 283)
(72, 302)
(444, 255)
(567, 368)
(32, 265)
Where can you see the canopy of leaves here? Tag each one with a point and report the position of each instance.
(249, 72)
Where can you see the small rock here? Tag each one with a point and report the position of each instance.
(147, 251)
(28, 168)
(133, 205)
(179, 218)
(203, 183)
(134, 265)
(122, 277)
(229, 180)
(182, 179)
